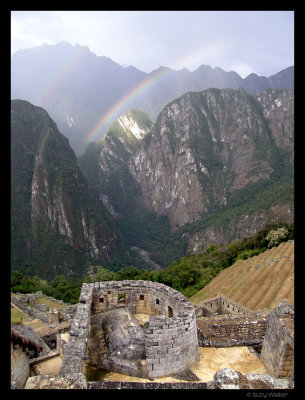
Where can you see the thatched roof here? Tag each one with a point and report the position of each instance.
(30, 333)
(25, 341)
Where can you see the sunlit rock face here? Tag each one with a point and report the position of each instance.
(209, 152)
(206, 145)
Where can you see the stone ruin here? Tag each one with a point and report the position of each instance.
(106, 330)
(109, 332)
(278, 349)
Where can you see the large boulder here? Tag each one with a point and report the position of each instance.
(117, 342)
(123, 334)
(69, 381)
(227, 378)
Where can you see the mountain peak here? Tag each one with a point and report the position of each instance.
(134, 123)
(162, 69)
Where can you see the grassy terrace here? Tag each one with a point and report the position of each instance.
(18, 317)
(258, 283)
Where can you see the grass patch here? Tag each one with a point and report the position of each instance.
(50, 303)
(17, 317)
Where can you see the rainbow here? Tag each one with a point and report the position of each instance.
(120, 104)
(106, 118)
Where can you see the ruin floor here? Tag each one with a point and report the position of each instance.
(49, 367)
(211, 360)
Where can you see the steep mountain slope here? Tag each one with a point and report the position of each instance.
(57, 222)
(103, 162)
(105, 165)
(78, 88)
(208, 145)
(257, 283)
(216, 166)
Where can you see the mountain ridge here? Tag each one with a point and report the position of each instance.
(212, 156)
(103, 84)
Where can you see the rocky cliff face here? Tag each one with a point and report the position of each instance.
(57, 221)
(211, 169)
(122, 139)
(277, 107)
(207, 145)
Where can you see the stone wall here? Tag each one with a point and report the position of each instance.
(171, 344)
(20, 369)
(171, 341)
(27, 305)
(139, 296)
(170, 335)
(278, 347)
(150, 385)
(74, 352)
(49, 333)
(232, 330)
(220, 304)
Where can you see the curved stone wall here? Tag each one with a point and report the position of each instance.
(171, 341)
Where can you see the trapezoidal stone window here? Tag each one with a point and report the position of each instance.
(170, 311)
(141, 296)
(122, 298)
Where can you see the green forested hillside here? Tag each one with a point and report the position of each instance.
(188, 274)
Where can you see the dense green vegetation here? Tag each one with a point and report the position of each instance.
(188, 274)
(254, 197)
(152, 233)
(59, 288)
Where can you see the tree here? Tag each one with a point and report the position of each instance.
(276, 236)
(104, 274)
(128, 272)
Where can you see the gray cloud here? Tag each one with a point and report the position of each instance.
(245, 41)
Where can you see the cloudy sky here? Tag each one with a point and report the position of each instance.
(243, 41)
